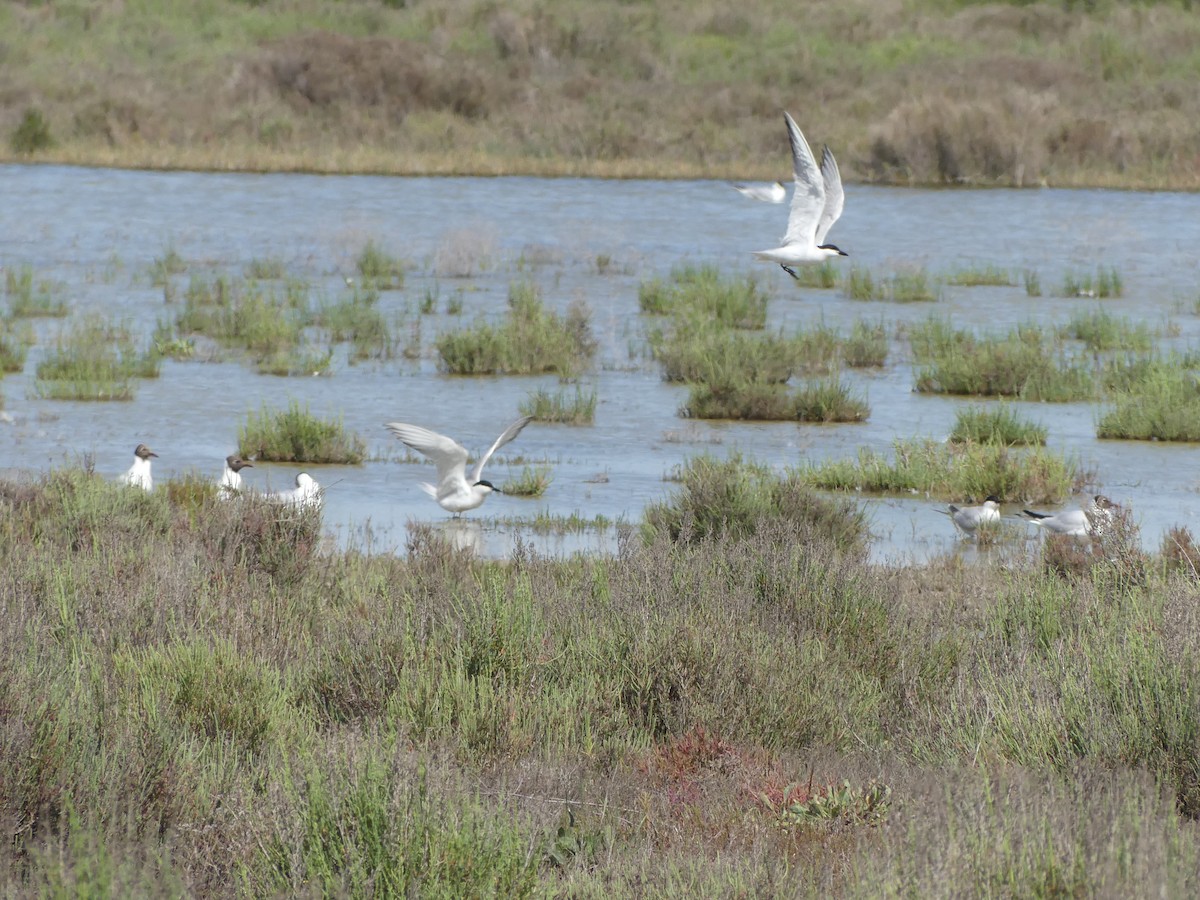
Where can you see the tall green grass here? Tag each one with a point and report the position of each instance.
(27, 299)
(574, 408)
(998, 425)
(1163, 404)
(530, 340)
(295, 435)
(356, 318)
(1104, 283)
(379, 270)
(816, 400)
(702, 290)
(1100, 331)
(93, 359)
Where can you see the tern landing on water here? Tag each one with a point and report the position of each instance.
(454, 492)
(230, 484)
(767, 193)
(139, 473)
(816, 204)
(1076, 522)
(968, 518)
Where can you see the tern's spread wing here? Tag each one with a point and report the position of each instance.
(808, 199)
(448, 455)
(834, 197)
(509, 433)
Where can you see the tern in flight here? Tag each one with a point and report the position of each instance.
(816, 204)
(455, 492)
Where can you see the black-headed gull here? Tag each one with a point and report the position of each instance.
(306, 495)
(230, 484)
(139, 473)
(454, 492)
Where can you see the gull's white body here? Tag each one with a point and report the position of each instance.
(454, 491)
(306, 494)
(816, 204)
(1076, 522)
(968, 518)
(767, 193)
(139, 473)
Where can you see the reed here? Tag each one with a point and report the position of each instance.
(295, 435)
(995, 425)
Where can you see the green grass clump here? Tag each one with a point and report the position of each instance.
(1022, 363)
(262, 321)
(577, 408)
(15, 340)
(94, 359)
(1032, 282)
(821, 400)
(995, 425)
(735, 302)
(29, 300)
(913, 286)
(531, 482)
(1162, 404)
(823, 276)
(531, 340)
(295, 435)
(1105, 283)
(1100, 330)
(269, 269)
(866, 346)
(979, 276)
(699, 350)
(356, 318)
(953, 472)
(860, 285)
(737, 497)
(379, 269)
(164, 267)
(296, 361)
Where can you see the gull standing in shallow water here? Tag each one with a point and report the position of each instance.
(767, 193)
(454, 492)
(1076, 522)
(230, 484)
(816, 204)
(968, 518)
(139, 473)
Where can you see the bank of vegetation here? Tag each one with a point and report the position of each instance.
(906, 91)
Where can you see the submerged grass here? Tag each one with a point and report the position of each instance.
(260, 319)
(93, 359)
(198, 702)
(569, 408)
(1100, 330)
(909, 286)
(379, 269)
(980, 276)
(27, 299)
(356, 319)
(295, 435)
(1105, 283)
(954, 472)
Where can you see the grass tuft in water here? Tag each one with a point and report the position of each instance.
(995, 425)
(27, 299)
(93, 359)
(15, 340)
(954, 472)
(379, 269)
(1100, 330)
(295, 435)
(568, 408)
(821, 400)
(866, 346)
(531, 340)
(1032, 282)
(356, 318)
(164, 267)
(1105, 283)
(734, 302)
(1162, 403)
(531, 482)
(980, 276)
(269, 269)
(823, 276)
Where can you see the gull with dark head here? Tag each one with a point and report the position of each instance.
(816, 204)
(139, 473)
(968, 519)
(230, 484)
(306, 495)
(454, 492)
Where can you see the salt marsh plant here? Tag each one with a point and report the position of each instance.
(866, 346)
(823, 276)
(27, 299)
(909, 286)
(819, 400)
(531, 481)
(1105, 283)
(995, 425)
(166, 266)
(577, 407)
(379, 269)
(301, 360)
(530, 340)
(1100, 330)
(269, 268)
(1033, 283)
(263, 320)
(860, 285)
(356, 318)
(954, 472)
(700, 350)
(15, 340)
(1023, 363)
(93, 359)
(738, 497)
(702, 290)
(295, 435)
(980, 276)
(1162, 404)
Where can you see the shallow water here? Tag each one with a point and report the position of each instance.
(98, 231)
